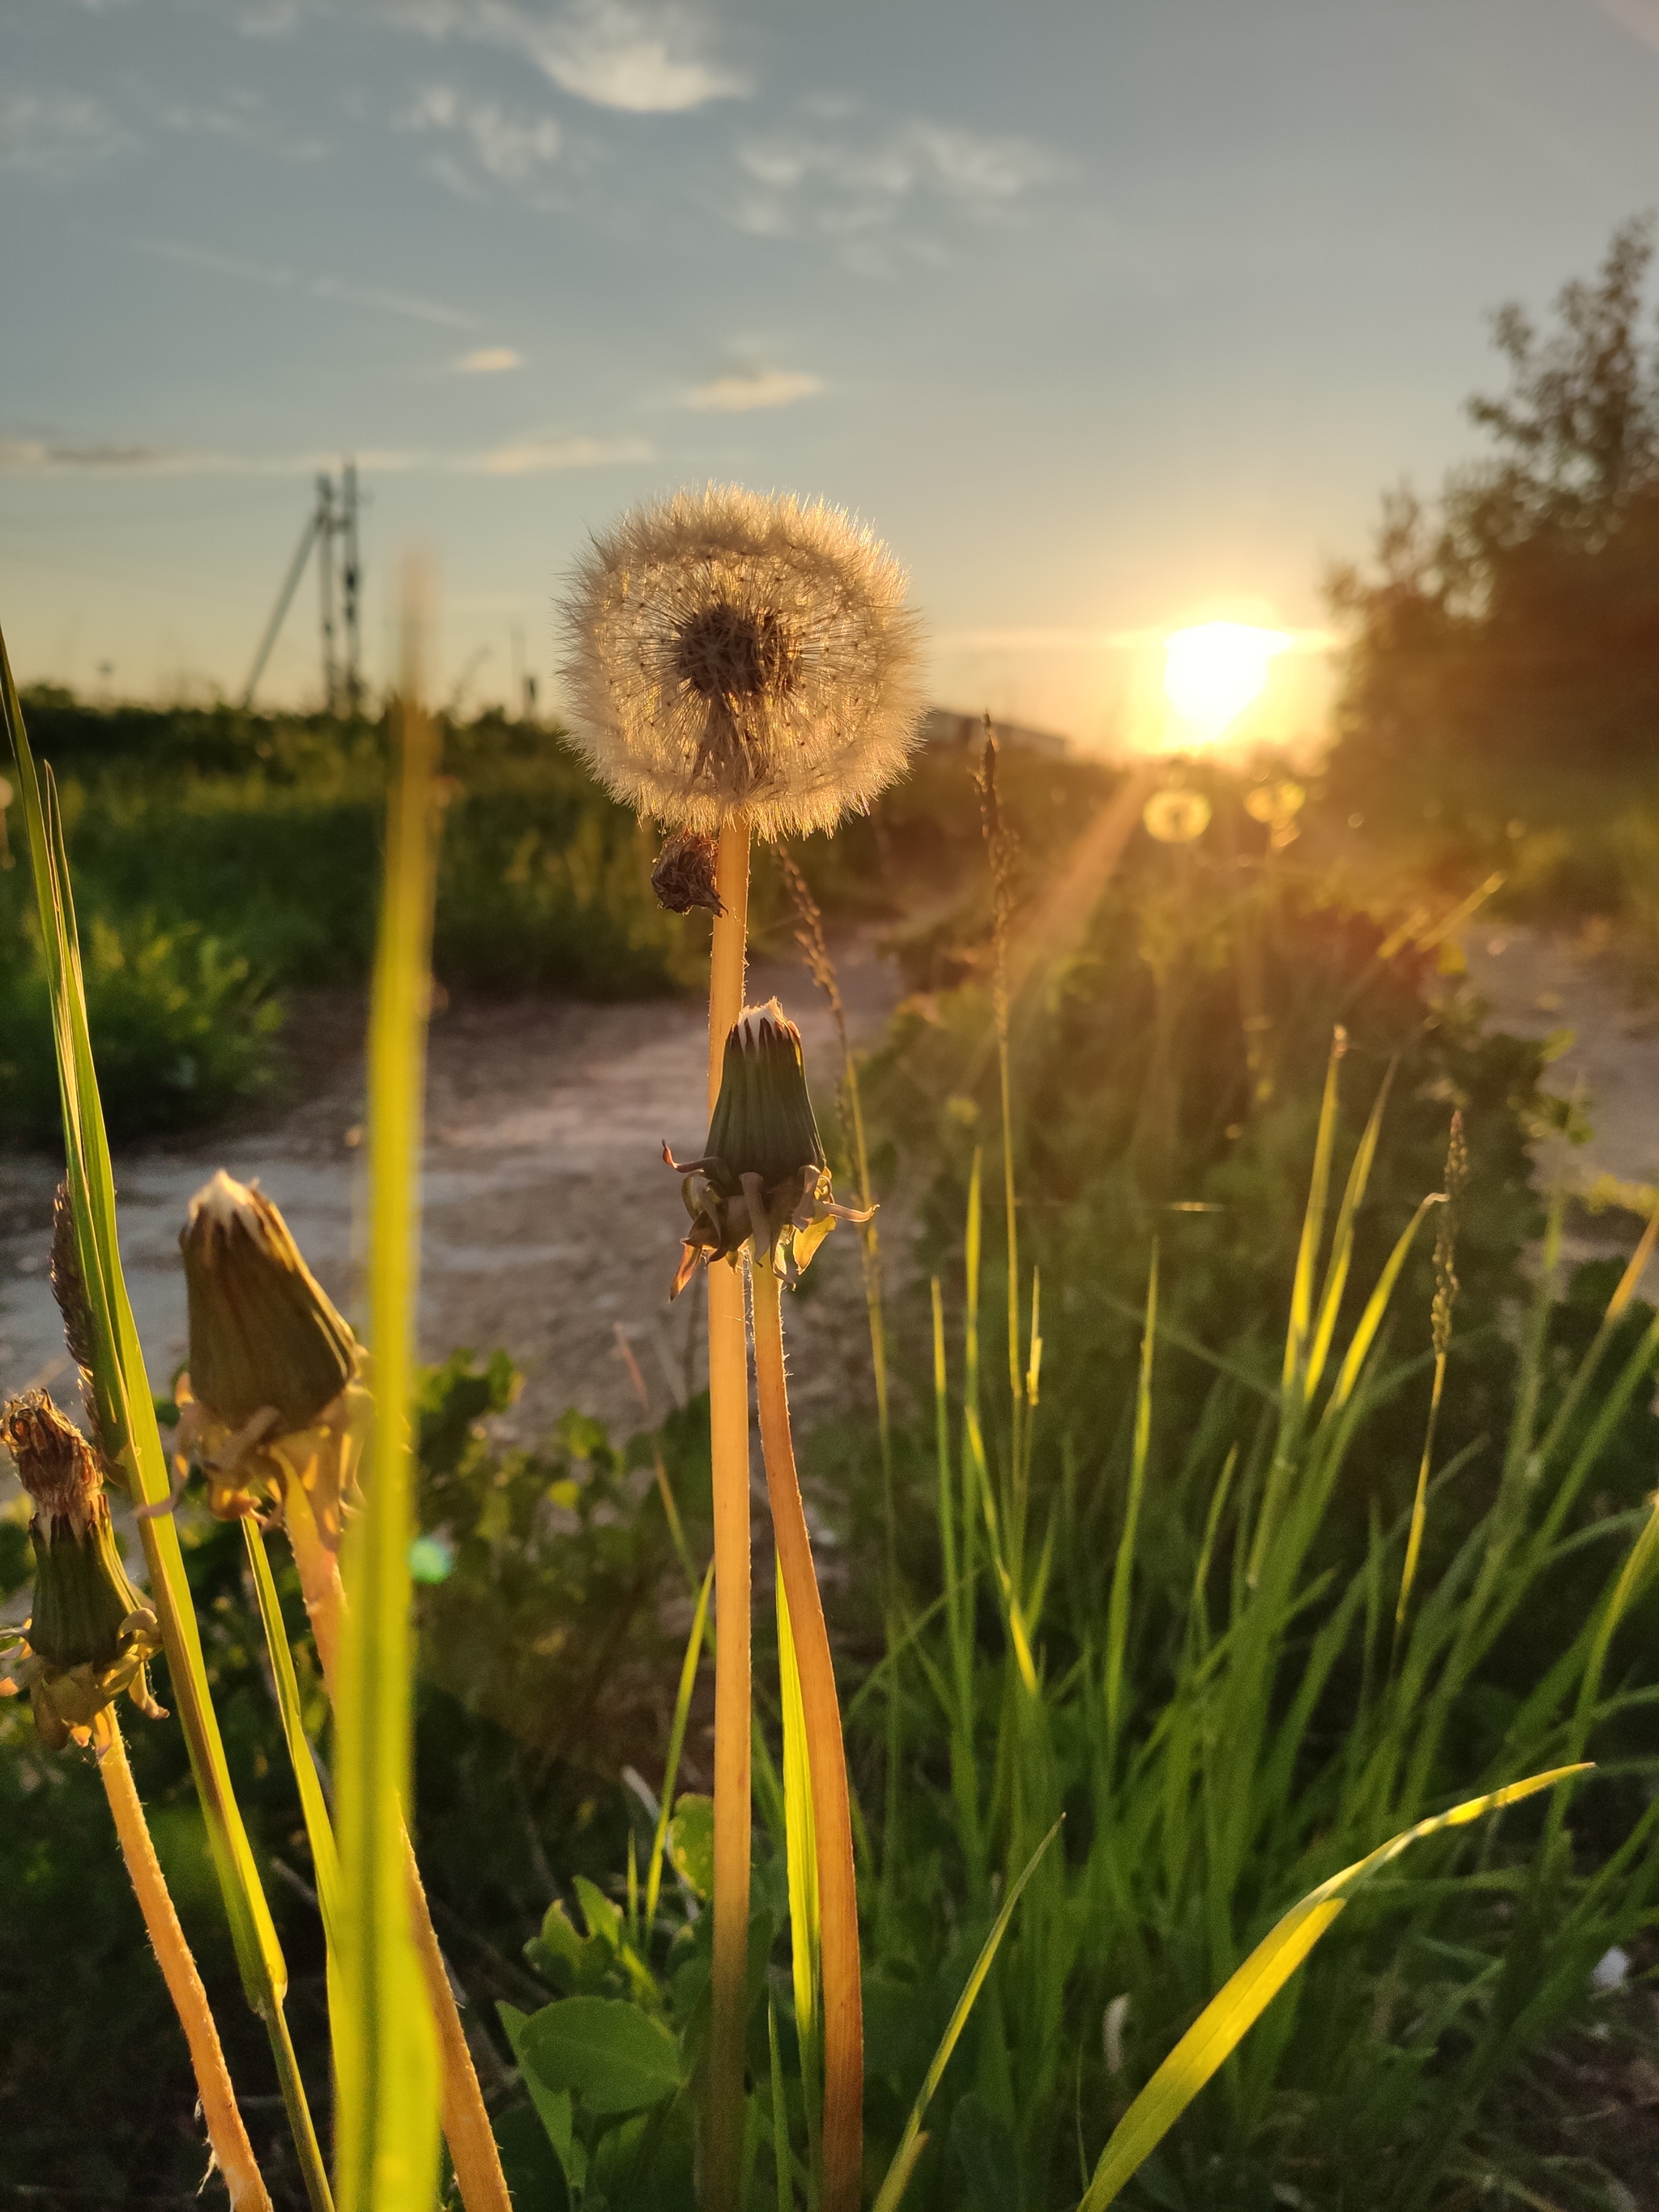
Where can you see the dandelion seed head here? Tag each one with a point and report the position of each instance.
(729, 652)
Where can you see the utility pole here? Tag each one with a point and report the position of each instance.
(349, 579)
(334, 514)
(328, 525)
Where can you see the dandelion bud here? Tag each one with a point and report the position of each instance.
(91, 1633)
(263, 1331)
(764, 1175)
(271, 1391)
(733, 654)
(685, 874)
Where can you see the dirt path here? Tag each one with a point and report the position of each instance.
(549, 1219)
(1535, 984)
(550, 1222)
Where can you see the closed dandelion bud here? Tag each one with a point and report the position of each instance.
(763, 1176)
(263, 1331)
(91, 1633)
(271, 1390)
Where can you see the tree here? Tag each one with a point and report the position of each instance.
(1517, 624)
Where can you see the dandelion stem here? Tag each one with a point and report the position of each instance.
(466, 2123)
(843, 2022)
(728, 1423)
(232, 2152)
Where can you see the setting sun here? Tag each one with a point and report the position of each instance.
(1213, 672)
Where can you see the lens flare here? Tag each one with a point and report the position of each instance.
(1214, 671)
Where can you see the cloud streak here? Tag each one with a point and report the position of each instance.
(749, 388)
(537, 454)
(56, 135)
(375, 298)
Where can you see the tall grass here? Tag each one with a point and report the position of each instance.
(385, 2055)
(131, 1439)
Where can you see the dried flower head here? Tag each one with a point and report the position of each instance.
(91, 1634)
(684, 877)
(764, 1175)
(730, 653)
(272, 1392)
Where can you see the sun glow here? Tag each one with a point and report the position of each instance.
(1214, 671)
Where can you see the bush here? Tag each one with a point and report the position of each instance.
(185, 1030)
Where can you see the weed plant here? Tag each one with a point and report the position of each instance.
(1148, 1660)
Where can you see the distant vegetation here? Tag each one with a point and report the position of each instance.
(226, 861)
(1501, 705)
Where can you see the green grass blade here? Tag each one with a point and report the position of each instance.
(385, 2057)
(1117, 1614)
(912, 2142)
(676, 1744)
(1421, 1500)
(1224, 2021)
(1336, 1275)
(1312, 1220)
(1377, 1306)
(127, 1415)
(780, 2114)
(801, 1861)
(319, 1828)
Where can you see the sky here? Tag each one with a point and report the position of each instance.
(1109, 315)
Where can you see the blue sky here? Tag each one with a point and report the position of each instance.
(1108, 313)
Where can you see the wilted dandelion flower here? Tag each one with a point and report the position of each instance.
(762, 1175)
(734, 653)
(91, 1634)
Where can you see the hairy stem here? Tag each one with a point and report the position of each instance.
(838, 1910)
(466, 2123)
(728, 1421)
(232, 2152)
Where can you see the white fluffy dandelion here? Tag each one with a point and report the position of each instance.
(732, 654)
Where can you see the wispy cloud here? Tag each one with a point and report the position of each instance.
(375, 298)
(755, 387)
(546, 456)
(489, 361)
(488, 141)
(239, 118)
(540, 454)
(865, 187)
(55, 134)
(646, 60)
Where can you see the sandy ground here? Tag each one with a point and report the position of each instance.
(549, 1221)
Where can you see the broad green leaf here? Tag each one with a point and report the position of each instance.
(1227, 2018)
(552, 2105)
(608, 2052)
(386, 2054)
(604, 1920)
(691, 1842)
(912, 2140)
